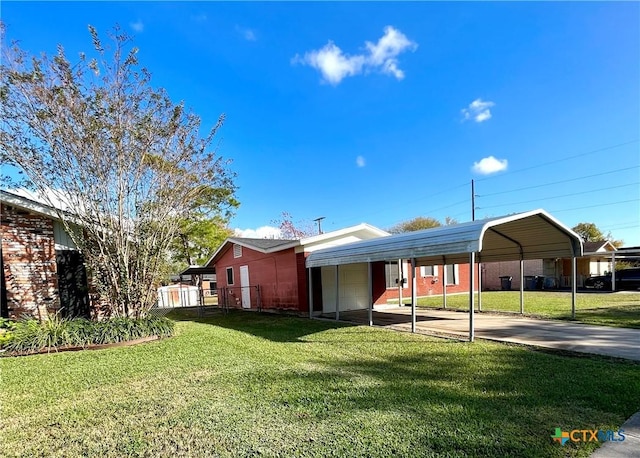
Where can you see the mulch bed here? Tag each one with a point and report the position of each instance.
(125, 343)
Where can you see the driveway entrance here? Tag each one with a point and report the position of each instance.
(561, 335)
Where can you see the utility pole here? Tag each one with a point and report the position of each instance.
(317, 220)
(473, 201)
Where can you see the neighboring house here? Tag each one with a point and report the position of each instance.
(271, 274)
(556, 271)
(493, 272)
(42, 271)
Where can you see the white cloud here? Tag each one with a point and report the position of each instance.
(247, 34)
(264, 232)
(202, 17)
(489, 165)
(478, 110)
(334, 65)
(137, 26)
(360, 162)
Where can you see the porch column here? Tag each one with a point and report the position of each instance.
(521, 286)
(370, 291)
(574, 286)
(337, 293)
(472, 257)
(414, 295)
(310, 293)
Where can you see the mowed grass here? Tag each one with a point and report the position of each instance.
(249, 384)
(620, 309)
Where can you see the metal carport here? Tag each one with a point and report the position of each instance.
(530, 235)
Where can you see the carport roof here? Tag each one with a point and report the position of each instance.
(530, 235)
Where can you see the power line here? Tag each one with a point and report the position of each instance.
(542, 164)
(562, 195)
(597, 205)
(559, 182)
(624, 224)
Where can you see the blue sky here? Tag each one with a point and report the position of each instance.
(381, 112)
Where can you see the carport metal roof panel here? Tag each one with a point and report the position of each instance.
(531, 235)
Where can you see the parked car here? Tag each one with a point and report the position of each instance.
(628, 279)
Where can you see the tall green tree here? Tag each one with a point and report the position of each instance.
(124, 165)
(419, 223)
(591, 233)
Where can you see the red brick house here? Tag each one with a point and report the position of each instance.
(271, 274)
(42, 272)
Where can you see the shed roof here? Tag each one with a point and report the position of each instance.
(530, 235)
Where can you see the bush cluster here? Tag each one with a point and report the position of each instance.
(30, 335)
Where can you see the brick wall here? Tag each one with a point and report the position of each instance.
(29, 261)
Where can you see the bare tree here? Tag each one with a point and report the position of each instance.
(123, 164)
(293, 230)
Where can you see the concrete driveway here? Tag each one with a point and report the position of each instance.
(562, 335)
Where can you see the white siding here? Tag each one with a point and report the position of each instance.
(62, 239)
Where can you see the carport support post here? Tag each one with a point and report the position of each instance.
(310, 293)
(444, 284)
(400, 277)
(472, 261)
(574, 286)
(337, 293)
(521, 286)
(414, 295)
(370, 293)
(613, 271)
(479, 287)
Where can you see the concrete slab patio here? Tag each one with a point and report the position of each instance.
(600, 340)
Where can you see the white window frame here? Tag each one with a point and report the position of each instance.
(424, 273)
(405, 272)
(230, 270)
(456, 275)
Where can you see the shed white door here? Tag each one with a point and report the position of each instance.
(353, 287)
(244, 286)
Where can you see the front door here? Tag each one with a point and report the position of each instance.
(244, 286)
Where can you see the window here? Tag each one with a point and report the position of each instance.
(452, 274)
(237, 250)
(428, 271)
(229, 275)
(391, 274)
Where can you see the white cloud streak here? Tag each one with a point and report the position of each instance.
(360, 161)
(137, 26)
(247, 34)
(478, 111)
(489, 165)
(264, 232)
(334, 65)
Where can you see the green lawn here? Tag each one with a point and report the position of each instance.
(611, 309)
(249, 384)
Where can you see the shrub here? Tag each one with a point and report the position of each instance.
(30, 335)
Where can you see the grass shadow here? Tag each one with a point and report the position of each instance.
(270, 326)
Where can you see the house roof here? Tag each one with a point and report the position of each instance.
(333, 238)
(530, 235)
(264, 245)
(198, 270)
(601, 245)
(27, 201)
